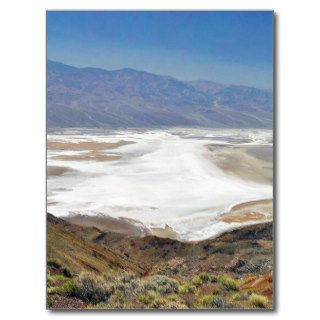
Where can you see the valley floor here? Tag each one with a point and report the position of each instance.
(183, 183)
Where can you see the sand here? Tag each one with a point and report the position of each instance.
(106, 223)
(260, 210)
(85, 146)
(95, 150)
(166, 232)
(89, 156)
(252, 163)
(57, 171)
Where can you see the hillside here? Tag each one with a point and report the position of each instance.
(90, 268)
(72, 246)
(91, 97)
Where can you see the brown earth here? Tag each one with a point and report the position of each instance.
(94, 150)
(252, 163)
(120, 225)
(89, 156)
(85, 146)
(244, 255)
(260, 210)
(53, 171)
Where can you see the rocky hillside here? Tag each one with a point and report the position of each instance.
(90, 268)
(91, 97)
(73, 247)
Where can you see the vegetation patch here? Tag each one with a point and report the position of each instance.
(187, 288)
(161, 284)
(229, 283)
(91, 288)
(259, 301)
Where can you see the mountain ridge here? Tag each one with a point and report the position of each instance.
(94, 97)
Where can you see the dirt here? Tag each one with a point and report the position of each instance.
(53, 171)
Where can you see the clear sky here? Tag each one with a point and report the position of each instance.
(226, 47)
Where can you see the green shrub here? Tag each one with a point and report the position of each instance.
(147, 298)
(236, 296)
(216, 290)
(210, 301)
(259, 301)
(67, 289)
(206, 277)
(160, 284)
(196, 281)
(239, 296)
(206, 300)
(91, 288)
(171, 301)
(50, 281)
(117, 300)
(187, 288)
(52, 290)
(49, 301)
(229, 283)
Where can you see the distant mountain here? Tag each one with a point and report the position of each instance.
(91, 97)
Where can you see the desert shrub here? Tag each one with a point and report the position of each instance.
(187, 288)
(206, 300)
(229, 283)
(207, 277)
(239, 296)
(91, 288)
(118, 300)
(160, 284)
(259, 301)
(171, 301)
(49, 301)
(55, 264)
(210, 301)
(236, 297)
(127, 277)
(128, 287)
(216, 290)
(147, 298)
(218, 302)
(50, 281)
(58, 277)
(52, 290)
(67, 289)
(190, 300)
(67, 272)
(196, 281)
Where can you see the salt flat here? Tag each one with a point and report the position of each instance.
(155, 177)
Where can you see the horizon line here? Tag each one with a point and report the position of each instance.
(160, 75)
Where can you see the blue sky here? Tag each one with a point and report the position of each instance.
(226, 47)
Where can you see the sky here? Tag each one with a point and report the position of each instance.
(225, 47)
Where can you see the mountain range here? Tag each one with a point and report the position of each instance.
(127, 98)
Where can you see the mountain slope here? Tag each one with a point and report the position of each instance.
(88, 268)
(91, 97)
(72, 246)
